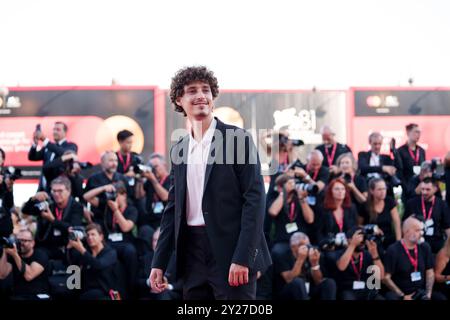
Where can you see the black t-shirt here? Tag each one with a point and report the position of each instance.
(285, 262)
(130, 213)
(36, 286)
(290, 213)
(98, 180)
(397, 264)
(327, 224)
(153, 210)
(340, 149)
(344, 279)
(383, 219)
(124, 163)
(408, 162)
(440, 217)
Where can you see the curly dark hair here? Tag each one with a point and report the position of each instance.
(188, 75)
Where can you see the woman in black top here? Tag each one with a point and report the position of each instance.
(382, 211)
(338, 215)
(347, 168)
(97, 264)
(290, 211)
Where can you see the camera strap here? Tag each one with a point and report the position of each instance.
(430, 212)
(414, 261)
(330, 158)
(357, 272)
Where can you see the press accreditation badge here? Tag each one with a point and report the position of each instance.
(416, 276)
(358, 285)
(416, 170)
(115, 237)
(56, 233)
(291, 227)
(158, 207)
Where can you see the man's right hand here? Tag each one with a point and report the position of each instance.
(356, 239)
(157, 280)
(408, 296)
(302, 252)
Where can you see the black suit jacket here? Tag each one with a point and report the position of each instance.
(233, 204)
(47, 154)
(385, 160)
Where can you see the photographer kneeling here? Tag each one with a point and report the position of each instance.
(28, 266)
(118, 221)
(54, 217)
(356, 264)
(298, 272)
(97, 263)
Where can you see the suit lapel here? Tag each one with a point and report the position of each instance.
(215, 150)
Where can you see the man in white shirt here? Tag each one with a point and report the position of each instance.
(215, 211)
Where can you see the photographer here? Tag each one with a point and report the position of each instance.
(94, 192)
(381, 210)
(414, 187)
(67, 165)
(347, 171)
(314, 172)
(28, 267)
(338, 214)
(6, 185)
(433, 212)
(155, 189)
(97, 263)
(442, 270)
(411, 154)
(354, 264)
(55, 217)
(49, 151)
(408, 264)
(118, 220)
(290, 211)
(299, 272)
(330, 149)
(373, 164)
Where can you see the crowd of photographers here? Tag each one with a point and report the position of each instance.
(374, 226)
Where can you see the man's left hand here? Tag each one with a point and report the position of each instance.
(238, 275)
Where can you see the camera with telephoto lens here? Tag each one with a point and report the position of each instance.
(77, 233)
(333, 242)
(371, 232)
(43, 205)
(140, 169)
(8, 242)
(311, 188)
(83, 165)
(12, 173)
(283, 140)
(111, 195)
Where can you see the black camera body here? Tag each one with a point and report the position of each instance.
(12, 173)
(43, 205)
(8, 242)
(311, 188)
(333, 242)
(371, 232)
(283, 140)
(420, 295)
(111, 196)
(347, 178)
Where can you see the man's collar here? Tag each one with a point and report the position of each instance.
(206, 139)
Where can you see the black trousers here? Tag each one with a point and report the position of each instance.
(202, 279)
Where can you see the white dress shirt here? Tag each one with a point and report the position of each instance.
(195, 175)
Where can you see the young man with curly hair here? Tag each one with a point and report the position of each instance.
(215, 211)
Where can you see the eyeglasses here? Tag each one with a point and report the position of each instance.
(24, 240)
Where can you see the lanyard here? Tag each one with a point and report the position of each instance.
(430, 212)
(330, 158)
(415, 156)
(340, 224)
(358, 272)
(59, 213)
(292, 213)
(127, 164)
(315, 174)
(414, 261)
